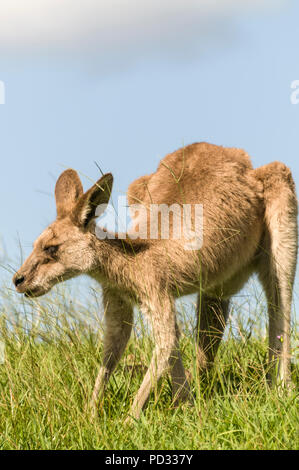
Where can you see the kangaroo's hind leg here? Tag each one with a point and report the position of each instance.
(212, 314)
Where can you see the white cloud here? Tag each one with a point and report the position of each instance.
(122, 29)
(70, 22)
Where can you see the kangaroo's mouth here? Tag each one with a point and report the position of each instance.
(35, 292)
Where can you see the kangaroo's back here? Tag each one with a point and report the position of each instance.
(222, 180)
(191, 175)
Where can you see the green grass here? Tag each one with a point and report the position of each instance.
(51, 359)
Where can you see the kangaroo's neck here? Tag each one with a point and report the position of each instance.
(116, 259)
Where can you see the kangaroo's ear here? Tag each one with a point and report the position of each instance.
(98, 195)
(68, 190)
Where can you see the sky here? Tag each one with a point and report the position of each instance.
(123, 83)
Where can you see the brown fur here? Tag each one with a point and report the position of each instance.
(250, 225)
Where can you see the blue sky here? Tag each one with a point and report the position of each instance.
(126, 97)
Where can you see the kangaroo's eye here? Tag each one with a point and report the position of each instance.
(51, 250)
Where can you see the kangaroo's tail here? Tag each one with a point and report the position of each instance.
(279, 266)
(281, 211)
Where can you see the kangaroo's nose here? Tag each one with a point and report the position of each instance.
(18, 280)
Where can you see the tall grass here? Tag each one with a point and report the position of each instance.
(52, 352)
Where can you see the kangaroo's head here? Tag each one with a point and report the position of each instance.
(66, 248)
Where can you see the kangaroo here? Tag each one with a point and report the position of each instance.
(249, 226)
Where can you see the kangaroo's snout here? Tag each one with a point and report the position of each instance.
(18, 279)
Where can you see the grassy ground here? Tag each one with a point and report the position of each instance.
(50, 362)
